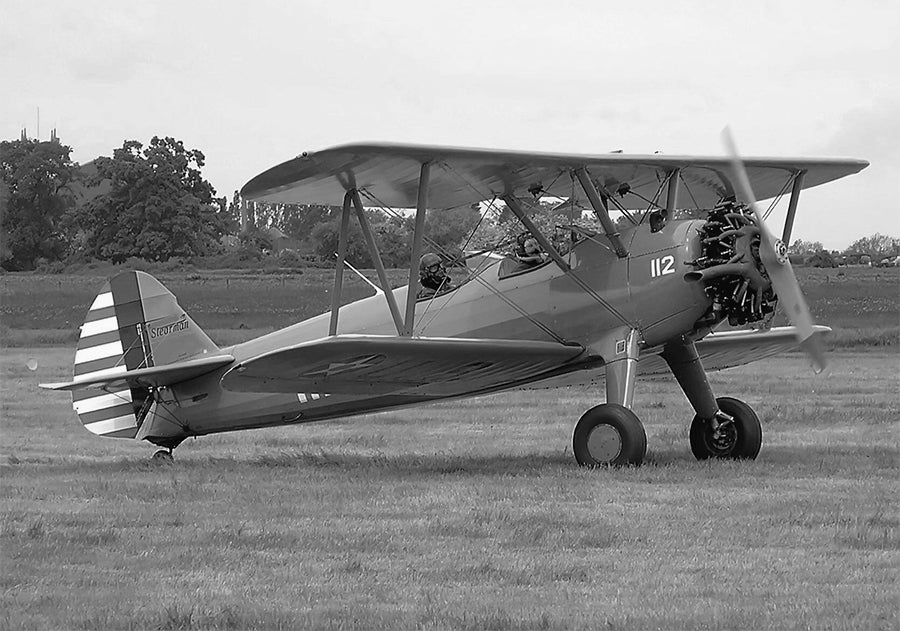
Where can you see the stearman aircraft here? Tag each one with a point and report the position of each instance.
(601, 305)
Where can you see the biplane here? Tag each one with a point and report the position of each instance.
(643, 295)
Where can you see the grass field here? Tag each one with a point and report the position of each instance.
(466, 515)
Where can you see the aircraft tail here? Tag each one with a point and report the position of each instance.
(134, 324)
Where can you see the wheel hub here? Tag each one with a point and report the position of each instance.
(721, 435)
(604, 443)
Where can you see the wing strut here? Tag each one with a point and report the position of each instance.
(519, 212)
(339, 268)
(418, 238)
(792, 207)
(601, 211)
(376, 259)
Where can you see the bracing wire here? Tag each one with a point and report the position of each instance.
(593, 294)
(778, 197)
(688, 189)
(475, 276)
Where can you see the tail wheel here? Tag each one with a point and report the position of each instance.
(738, 438)
(609, 434)
(163, 456)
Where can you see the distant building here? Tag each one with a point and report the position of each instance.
(280, 241)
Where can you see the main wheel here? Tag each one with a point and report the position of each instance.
(609, 434)
(739, 439)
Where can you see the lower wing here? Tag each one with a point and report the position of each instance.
(439, 367)
(727, 349)
(373, 364)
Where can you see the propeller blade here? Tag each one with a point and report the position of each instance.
(774, 257)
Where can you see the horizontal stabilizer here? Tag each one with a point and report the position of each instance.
(367, 364)
(121, 377)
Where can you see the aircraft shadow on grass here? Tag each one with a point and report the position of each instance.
(377, 464)
(669, 465)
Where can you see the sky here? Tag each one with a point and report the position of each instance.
(254, 84)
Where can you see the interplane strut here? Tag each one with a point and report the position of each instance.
(339, 267)
(792, 207)
(418, 238)
(376, 259)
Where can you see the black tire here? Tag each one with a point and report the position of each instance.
(740, 440)
(609, 434)
(163, 456)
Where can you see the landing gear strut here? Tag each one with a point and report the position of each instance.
(723, 427)
(611, 434)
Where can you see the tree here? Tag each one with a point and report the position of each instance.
(799, 246)
(35, 176)
(158, 206)
(323, 241)
(449, 230)
(235, 213)
(392, 236)
(548, 217)
(821, 258)
(875, 245)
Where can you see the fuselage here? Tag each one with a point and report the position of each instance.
(645, 290)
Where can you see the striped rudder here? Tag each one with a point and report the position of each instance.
(134, 322)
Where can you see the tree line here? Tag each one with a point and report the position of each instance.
(152, 203)
(872, 249)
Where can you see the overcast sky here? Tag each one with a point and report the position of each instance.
(254, 84)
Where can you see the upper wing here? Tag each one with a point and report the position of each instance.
(390, 174)
(366, 364)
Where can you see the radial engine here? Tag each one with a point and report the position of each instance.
(730, 267)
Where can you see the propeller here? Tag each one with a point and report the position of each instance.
(774, 257)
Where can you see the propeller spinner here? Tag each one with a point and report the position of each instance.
(774, 257)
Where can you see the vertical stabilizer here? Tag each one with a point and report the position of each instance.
(134, 322)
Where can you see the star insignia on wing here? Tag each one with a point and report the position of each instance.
(336, 368)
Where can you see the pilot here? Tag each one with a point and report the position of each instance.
(520, 244)
(658, 219)
(531, 253)
(433, 277)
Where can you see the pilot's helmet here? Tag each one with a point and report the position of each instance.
(430, 264)
(532, 247)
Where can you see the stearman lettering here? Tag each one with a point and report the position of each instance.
(162, 331)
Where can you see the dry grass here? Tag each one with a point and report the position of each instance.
(466, 515)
